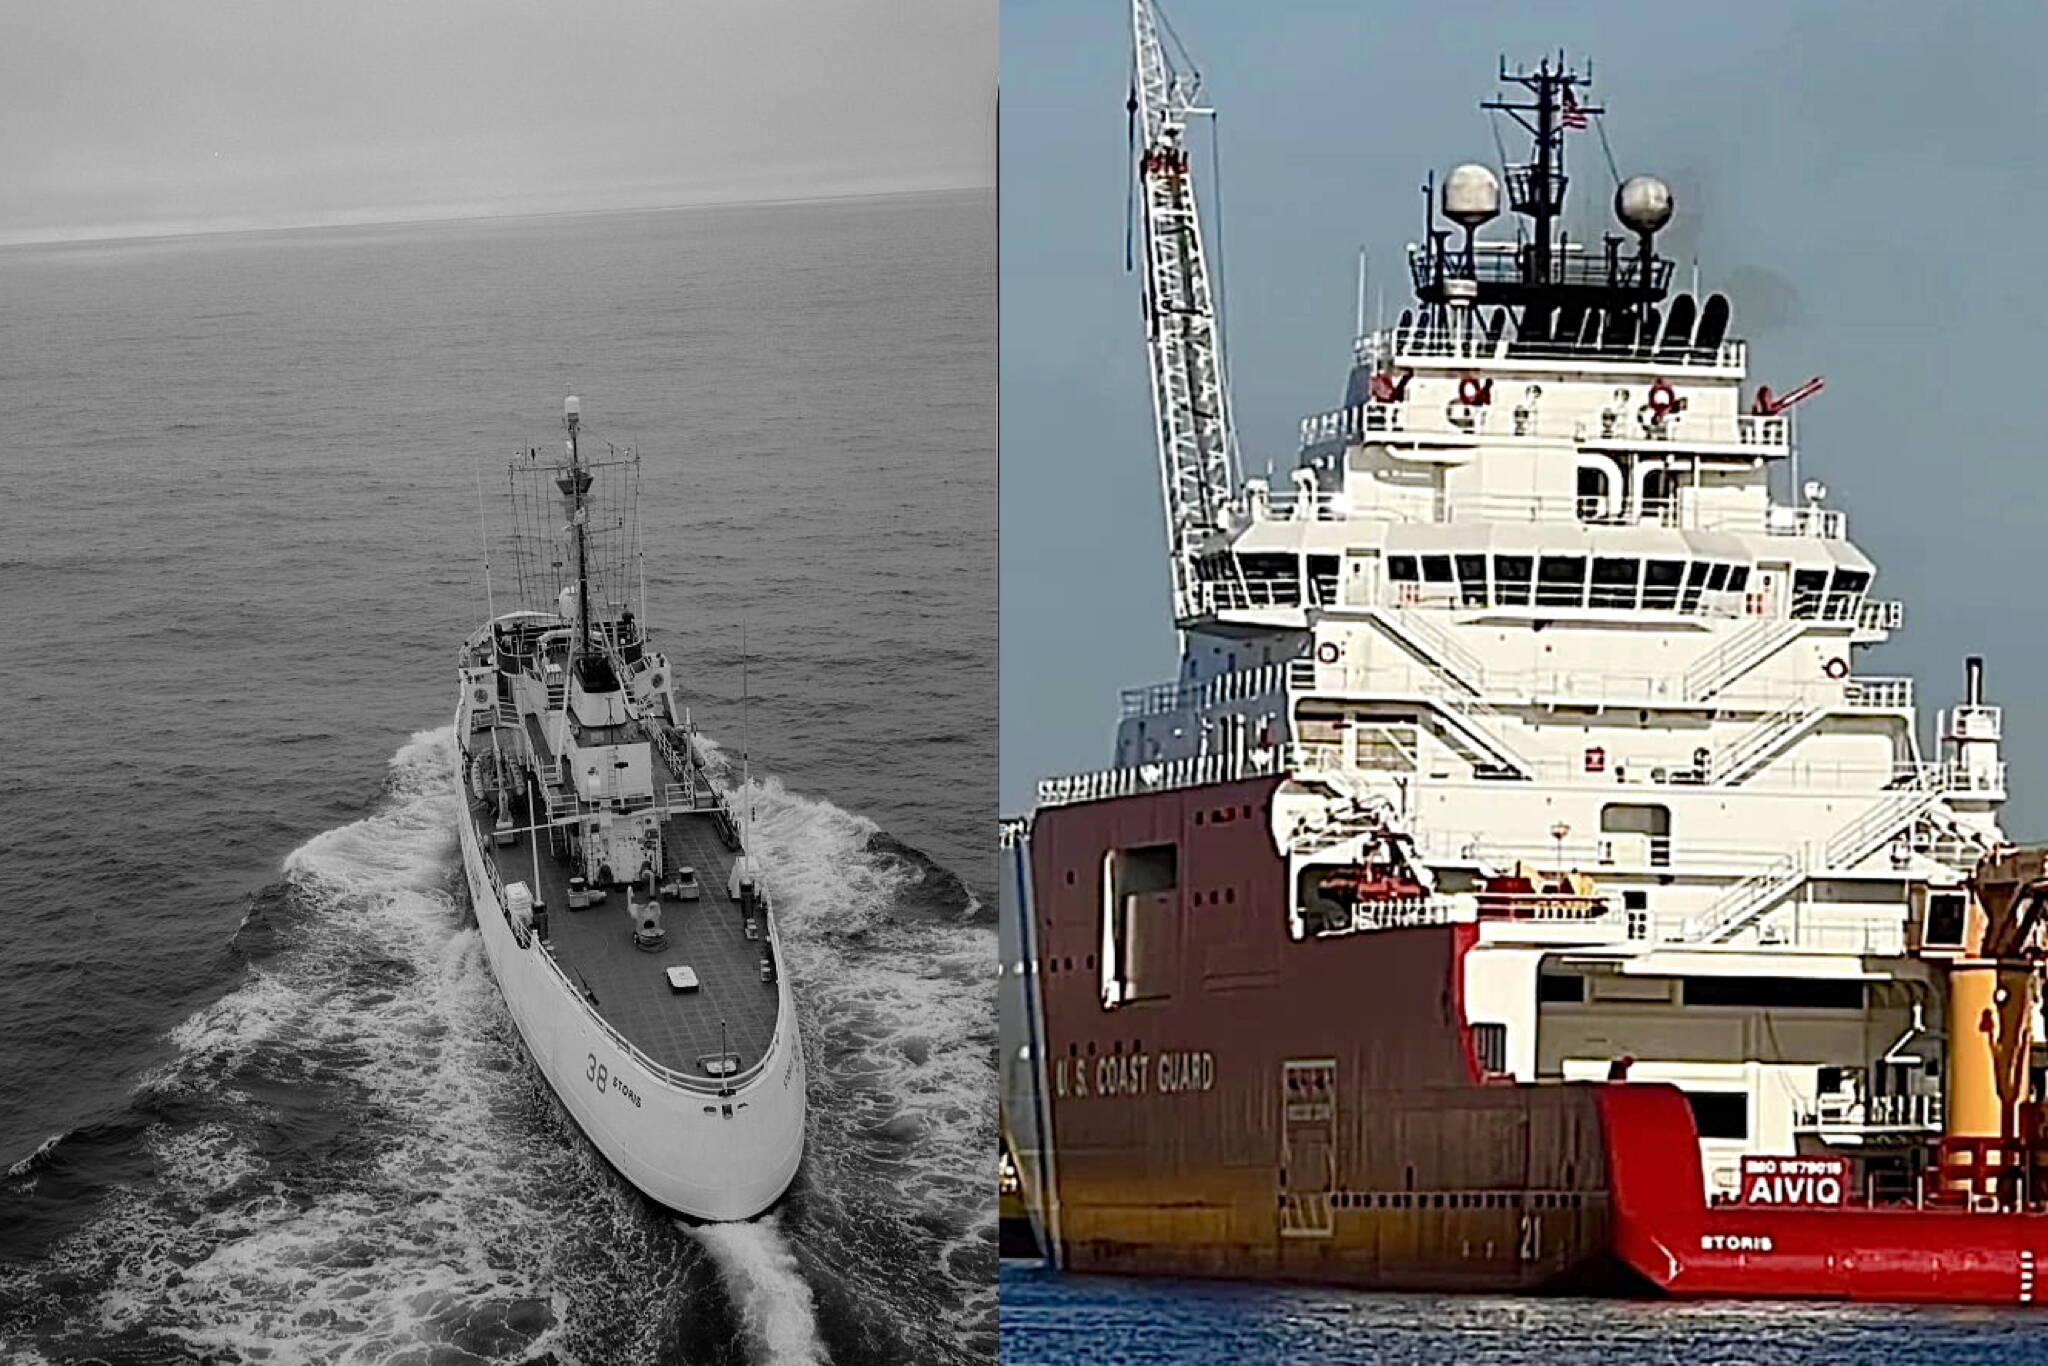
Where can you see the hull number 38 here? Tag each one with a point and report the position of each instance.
(597, 1076)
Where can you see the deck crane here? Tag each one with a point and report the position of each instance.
(1190, 401)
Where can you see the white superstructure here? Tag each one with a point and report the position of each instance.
(1547, 633)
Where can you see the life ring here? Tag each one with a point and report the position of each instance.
(1836, 668)
(1472, 393)
(482, 696)
(1663, 399)
(1328, 653)
(656, 681)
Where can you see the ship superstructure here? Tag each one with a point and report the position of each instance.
(635, 945)
(1519, 740)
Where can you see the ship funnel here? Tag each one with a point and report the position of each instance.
(1471, 196)
(1973, 681)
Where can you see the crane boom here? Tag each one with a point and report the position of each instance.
(1190, 399)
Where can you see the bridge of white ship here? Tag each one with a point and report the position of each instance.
(725, 1025)
(1506, 565)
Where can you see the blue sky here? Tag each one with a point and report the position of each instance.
(1863, 182)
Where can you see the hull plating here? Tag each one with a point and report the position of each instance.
(1268, 1110)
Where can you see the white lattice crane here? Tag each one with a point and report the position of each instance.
(1190, 399)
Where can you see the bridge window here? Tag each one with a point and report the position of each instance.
(1614, 582)
(1436, 569)
(1695, 584)
(1511, 576)
(1561, 581)
(1809, 587)
(1844, 590)
(1472, 580)
(1402, 569)
(1661, 582)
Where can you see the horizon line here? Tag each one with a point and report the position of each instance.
(483, 215)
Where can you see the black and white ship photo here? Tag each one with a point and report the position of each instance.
(499, 557)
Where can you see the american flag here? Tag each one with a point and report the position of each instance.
(1574, 117)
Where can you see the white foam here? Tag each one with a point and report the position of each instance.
(899, 1026)
(456, 1196)
(767, 1288)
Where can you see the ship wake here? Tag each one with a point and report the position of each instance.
(894, 966)
(351, 1159)
(769, 1293)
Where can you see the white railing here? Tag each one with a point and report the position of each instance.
(1477, 722)
(1611, 850)
(1438, 649)
(1738, 654)
(1741, 904)
(1403, 913)
(1163, 775)
(1878, 694)
(1761, 741)
(1391, 346)
(1923, 1113)
(1292, 505)
(1456, 423)
(1241, 685)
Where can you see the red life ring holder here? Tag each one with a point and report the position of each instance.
(1472, 393)
(1836, 668)
(1663, 398)
(1328, 652)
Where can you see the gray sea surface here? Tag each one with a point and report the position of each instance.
(1052, 1320)
(259, 1098)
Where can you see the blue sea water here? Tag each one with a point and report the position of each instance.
(259, 1099)
(1051, 1320)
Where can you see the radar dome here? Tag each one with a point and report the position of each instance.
(1471, 195)
(1643, 202)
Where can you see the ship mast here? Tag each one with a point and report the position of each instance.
(575, 483)
(1190, 401)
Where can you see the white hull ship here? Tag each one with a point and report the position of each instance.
(637, 953)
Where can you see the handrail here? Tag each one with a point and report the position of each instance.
(1457, 423)
(1160, 775)
(1391, 344)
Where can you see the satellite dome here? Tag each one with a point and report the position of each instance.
(1643, 202)
(1471, 195)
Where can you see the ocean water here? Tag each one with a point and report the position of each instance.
(1050, 1320)
(259, 1099)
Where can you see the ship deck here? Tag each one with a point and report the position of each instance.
(732, 1011)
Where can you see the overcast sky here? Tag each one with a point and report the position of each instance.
(179, 115)
(1864, 181)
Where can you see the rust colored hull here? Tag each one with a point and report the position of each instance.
(1270, 1110)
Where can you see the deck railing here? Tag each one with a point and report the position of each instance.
(1462, 424)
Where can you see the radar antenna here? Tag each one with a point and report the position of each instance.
(1190, 398)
